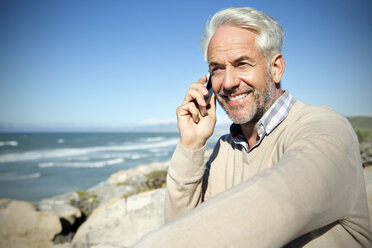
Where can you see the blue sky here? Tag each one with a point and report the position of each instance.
(109, 65)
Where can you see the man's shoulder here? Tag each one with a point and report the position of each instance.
(313, 113)
(321, 118)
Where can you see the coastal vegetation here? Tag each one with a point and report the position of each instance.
(362, 126)
(85, 202)
(154, 180)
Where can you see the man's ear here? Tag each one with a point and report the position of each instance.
(277, 67)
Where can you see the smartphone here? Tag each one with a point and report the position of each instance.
(208, 97)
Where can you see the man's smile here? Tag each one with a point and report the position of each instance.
(237, 97)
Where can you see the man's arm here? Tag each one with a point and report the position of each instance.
(314, 184)
(196, 121)
(184, 182)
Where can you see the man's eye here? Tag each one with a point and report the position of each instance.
(216, 69)
(244, 65)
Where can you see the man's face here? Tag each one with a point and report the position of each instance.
(240, 78)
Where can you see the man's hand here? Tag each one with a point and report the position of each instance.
(196, 120)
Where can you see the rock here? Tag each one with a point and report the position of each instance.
(122, 221)
(60, 208)
(23, 226)
(146, 211)
(136, 176)
(70, 217)
(366, 152)
(64, 245)
(106, 192)
(106, 246)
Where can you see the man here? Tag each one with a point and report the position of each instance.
(288, 174)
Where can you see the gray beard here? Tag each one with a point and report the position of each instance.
(262, 102)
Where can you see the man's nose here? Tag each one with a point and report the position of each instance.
(230, 79)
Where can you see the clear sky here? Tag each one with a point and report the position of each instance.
(115, 64)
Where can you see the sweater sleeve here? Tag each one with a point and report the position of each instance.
(313, 185)
(184, 182)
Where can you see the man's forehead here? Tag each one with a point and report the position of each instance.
(232, 43)
(242, 57)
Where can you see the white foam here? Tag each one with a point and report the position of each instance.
(92, 164)
(135, 156)
(70, 152)
(156, 150)
(9, 143)
(165, 143)
(12, 177)
(125, 155)
(42, 154)
(154, 139)
(161, 154)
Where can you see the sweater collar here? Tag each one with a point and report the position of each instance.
(268, 122)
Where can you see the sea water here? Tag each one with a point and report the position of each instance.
(34, 166)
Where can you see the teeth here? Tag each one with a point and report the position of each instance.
(238, 97)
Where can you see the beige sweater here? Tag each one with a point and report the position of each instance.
(303, 186)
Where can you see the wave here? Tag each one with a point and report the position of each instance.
(94, 164)
(130, 155)
(153, 139)
(165, 143)
(10, 177)
(69, 152)
(9, 143)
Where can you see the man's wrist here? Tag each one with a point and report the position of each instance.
(192, 146)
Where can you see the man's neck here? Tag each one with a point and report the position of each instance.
(249, 131)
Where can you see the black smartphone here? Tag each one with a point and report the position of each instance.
(208, 97)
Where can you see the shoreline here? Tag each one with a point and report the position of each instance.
(74, 209)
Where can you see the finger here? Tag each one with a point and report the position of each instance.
(195, 94)
(202, 80)
(212, 105)
(189, 109)
(199, 86)
(203, 111)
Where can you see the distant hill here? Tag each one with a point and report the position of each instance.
(361, 122)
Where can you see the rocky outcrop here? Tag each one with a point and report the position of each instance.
(366, 152)
(136, 176)
(60, 208)
(107, 192)
(122, 221)
(23, 226)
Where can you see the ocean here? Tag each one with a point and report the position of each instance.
(34, 166)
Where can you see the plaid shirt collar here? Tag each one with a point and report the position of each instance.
(268, 122)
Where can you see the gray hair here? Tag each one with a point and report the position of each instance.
(270, 33)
